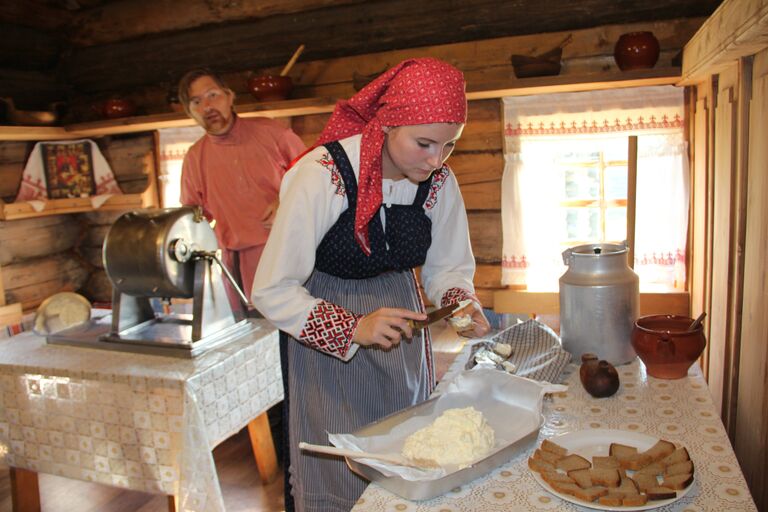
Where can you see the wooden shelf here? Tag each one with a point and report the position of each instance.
(307, 106)
(24, 210)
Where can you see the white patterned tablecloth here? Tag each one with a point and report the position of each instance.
(136, 421)
(680, 410)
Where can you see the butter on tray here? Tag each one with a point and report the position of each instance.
(459, 436)
(511, 406)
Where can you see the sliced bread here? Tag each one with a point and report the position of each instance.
(680, 468)
(590, 493)
(677, 482)
(552, 447)
(572, 462)
(607, 462)
(583, 477)
(659, 450)
(541, 466)
(660, 493)
(635, 500)
(550, 457)
(645, 481)
(606, 477)
(612, 499)
(679, 455)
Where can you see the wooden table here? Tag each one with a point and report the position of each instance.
(680, 410)
(141, 422)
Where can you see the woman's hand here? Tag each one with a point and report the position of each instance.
(479, 326)
(385, 327)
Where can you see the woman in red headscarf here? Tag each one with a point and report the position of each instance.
(372, 201)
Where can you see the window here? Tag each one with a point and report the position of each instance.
(174, 143)
(565, 182)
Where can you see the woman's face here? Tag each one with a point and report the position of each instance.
(414, 152)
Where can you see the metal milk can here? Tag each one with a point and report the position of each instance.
(599, 302)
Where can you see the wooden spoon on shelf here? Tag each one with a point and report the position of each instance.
(392, 458)
(291, 62)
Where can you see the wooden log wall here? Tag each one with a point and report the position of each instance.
(478, 163)
(38, 258)
(46, 255)
(486, 64)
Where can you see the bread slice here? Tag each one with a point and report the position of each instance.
(582, 477)
(628, 456)
(660, 493)
(621, 451)
(590, 493)
(679, 455)
(612, 499)
(636, 500)
(606, 477)
(645, 481)
(565, 488)
(553, 477)
(677, 482)
(628, 487)
(652, 469)
(551, 447)
(573, 461)
(659, 450)
(550, 457)
(608, 462)
(680, 468)
(540, 466)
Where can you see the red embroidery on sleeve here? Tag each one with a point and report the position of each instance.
(456, 295)
(329, 329)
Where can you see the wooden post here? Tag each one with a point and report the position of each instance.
(263, 447)
(25, 490)
(631, 196)
(2, 288)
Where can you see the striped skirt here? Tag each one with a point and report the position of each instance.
(327, 395)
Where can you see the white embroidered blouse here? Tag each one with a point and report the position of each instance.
(311, 200)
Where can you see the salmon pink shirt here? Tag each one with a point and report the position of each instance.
(236, 176)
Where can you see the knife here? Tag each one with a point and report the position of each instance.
(438, 314)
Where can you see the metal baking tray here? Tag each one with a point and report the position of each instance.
(427, 489)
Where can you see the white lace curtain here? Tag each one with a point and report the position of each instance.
(541, 130)
(174, 143)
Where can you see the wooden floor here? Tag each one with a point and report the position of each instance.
(238, 475)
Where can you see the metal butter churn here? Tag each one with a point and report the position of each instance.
(599, 302)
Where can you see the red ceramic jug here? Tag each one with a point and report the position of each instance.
(270, 87)
(117, 107)
(636, 50)
(666, 346)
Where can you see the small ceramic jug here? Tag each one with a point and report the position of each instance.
(599, 378)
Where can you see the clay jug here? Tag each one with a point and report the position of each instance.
(636, 50)
(599, 378)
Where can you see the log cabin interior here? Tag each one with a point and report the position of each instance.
(63, 60)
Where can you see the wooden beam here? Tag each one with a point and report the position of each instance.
(117, 21)
(520, 301)
(383, 26)
(738, 28)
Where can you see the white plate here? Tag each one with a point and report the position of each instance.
(589, 443)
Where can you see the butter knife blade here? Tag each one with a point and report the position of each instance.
(434, 316)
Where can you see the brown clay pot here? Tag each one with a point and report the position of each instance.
(115, 108)
(636, 50)
(599, 378)
(666, 346)
(270, 87)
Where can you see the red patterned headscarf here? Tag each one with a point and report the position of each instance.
(416, 91)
